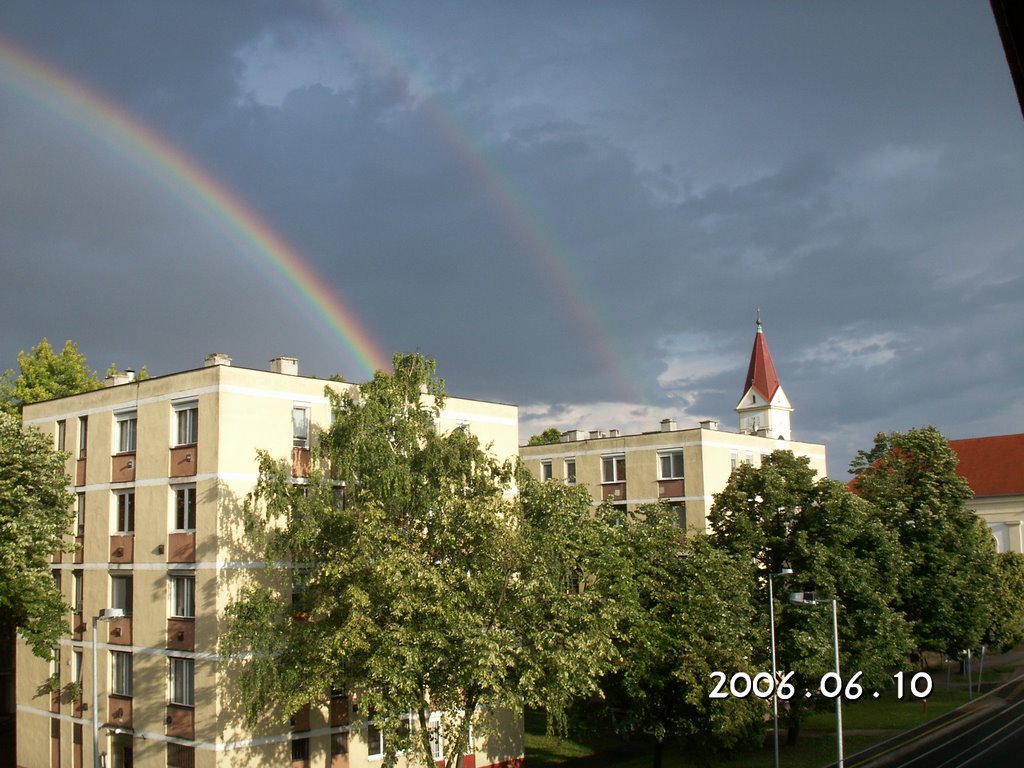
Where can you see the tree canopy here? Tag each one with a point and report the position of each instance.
(950, 586)
(777, 516)
(549, 436)
(689, 610)
(35, 513)
(432, 587)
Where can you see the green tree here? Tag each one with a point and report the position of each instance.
(1006, 627)
(43, 375)
(549, 436)
(432, 587)
(950, 587)
(776, 515)
(35, 512)
(689, 611)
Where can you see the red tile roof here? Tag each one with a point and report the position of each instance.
(761, 373)
(993, 466)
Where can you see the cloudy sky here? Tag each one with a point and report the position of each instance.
(573, 206)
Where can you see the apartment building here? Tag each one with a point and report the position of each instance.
(684, 468)
(160, 470)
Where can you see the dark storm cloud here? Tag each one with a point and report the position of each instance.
(527, 190)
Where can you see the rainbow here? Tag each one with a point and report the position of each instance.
(125, 135)
(512, 205)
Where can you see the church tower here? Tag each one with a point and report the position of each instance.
(764, 408)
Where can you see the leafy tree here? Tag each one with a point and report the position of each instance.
(689, 611)
(1006, 627)
(950, 587)
(776, 515)
(432, 587)
(549, 436)
(44, 374)
(35, 512)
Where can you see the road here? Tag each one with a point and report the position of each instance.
(987, 733)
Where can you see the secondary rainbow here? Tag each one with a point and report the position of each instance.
(125, 135)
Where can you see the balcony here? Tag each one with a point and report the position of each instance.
(668, 489)
(612, 492)
(122, 468)
(119, 631)
(181, 547)
(181, 634)
(122, 548)
(184, 460)
(301, 462)
(120, 711)
(181, 721)
(80, 472)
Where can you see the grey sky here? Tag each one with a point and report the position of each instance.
(573, 206)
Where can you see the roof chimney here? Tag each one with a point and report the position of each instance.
(711, 424)
(216, 358)
(286, 365)
(668, 425)
(613, 433)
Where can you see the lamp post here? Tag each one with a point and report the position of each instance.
(775, 672)
(106, 614)
(801, 598)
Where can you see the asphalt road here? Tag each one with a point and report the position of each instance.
(987, 733)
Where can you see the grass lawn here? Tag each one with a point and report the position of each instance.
(865, 722)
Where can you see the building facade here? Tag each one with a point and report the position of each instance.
(160, 469)
(994, 468)
(684, 468)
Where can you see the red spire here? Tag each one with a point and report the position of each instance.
(761, 373)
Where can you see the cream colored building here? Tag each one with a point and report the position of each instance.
(682, 467)
(160, 469)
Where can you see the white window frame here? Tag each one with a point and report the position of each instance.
(121, 673)
(62, 435)
(547, 471)
(671, 457)
(300, 425)
(124, 511)
(186, 426)
(80, 514)
(181, 681)
(436, 736)
(122, 591)
(570, 474)
(618, 460)
(78, 579)
(83, 436)
(183, 603)
(189, 496)
(127, 431)
(374, 750)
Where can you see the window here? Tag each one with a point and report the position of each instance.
(126, 431)
(749, 458)
(570, 471)
(185, 508)
(300, 426)
(671, 465)
(83, 435)
(77, 670)
(374, 741)
(613, 469)
(80, 521)
(545, 470)
(181, 756)
(121, 673)
(436, 739)
(78, 590)
(187, 415)
(339, 743)
(183, 595)
(300, 751)
(62, 435)
(183, 682)
(679, 509)
(734, 459)
(121, 593)
(125, 511)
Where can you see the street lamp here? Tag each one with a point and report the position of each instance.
(808, 598)
(775, 672)
(105, 614)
